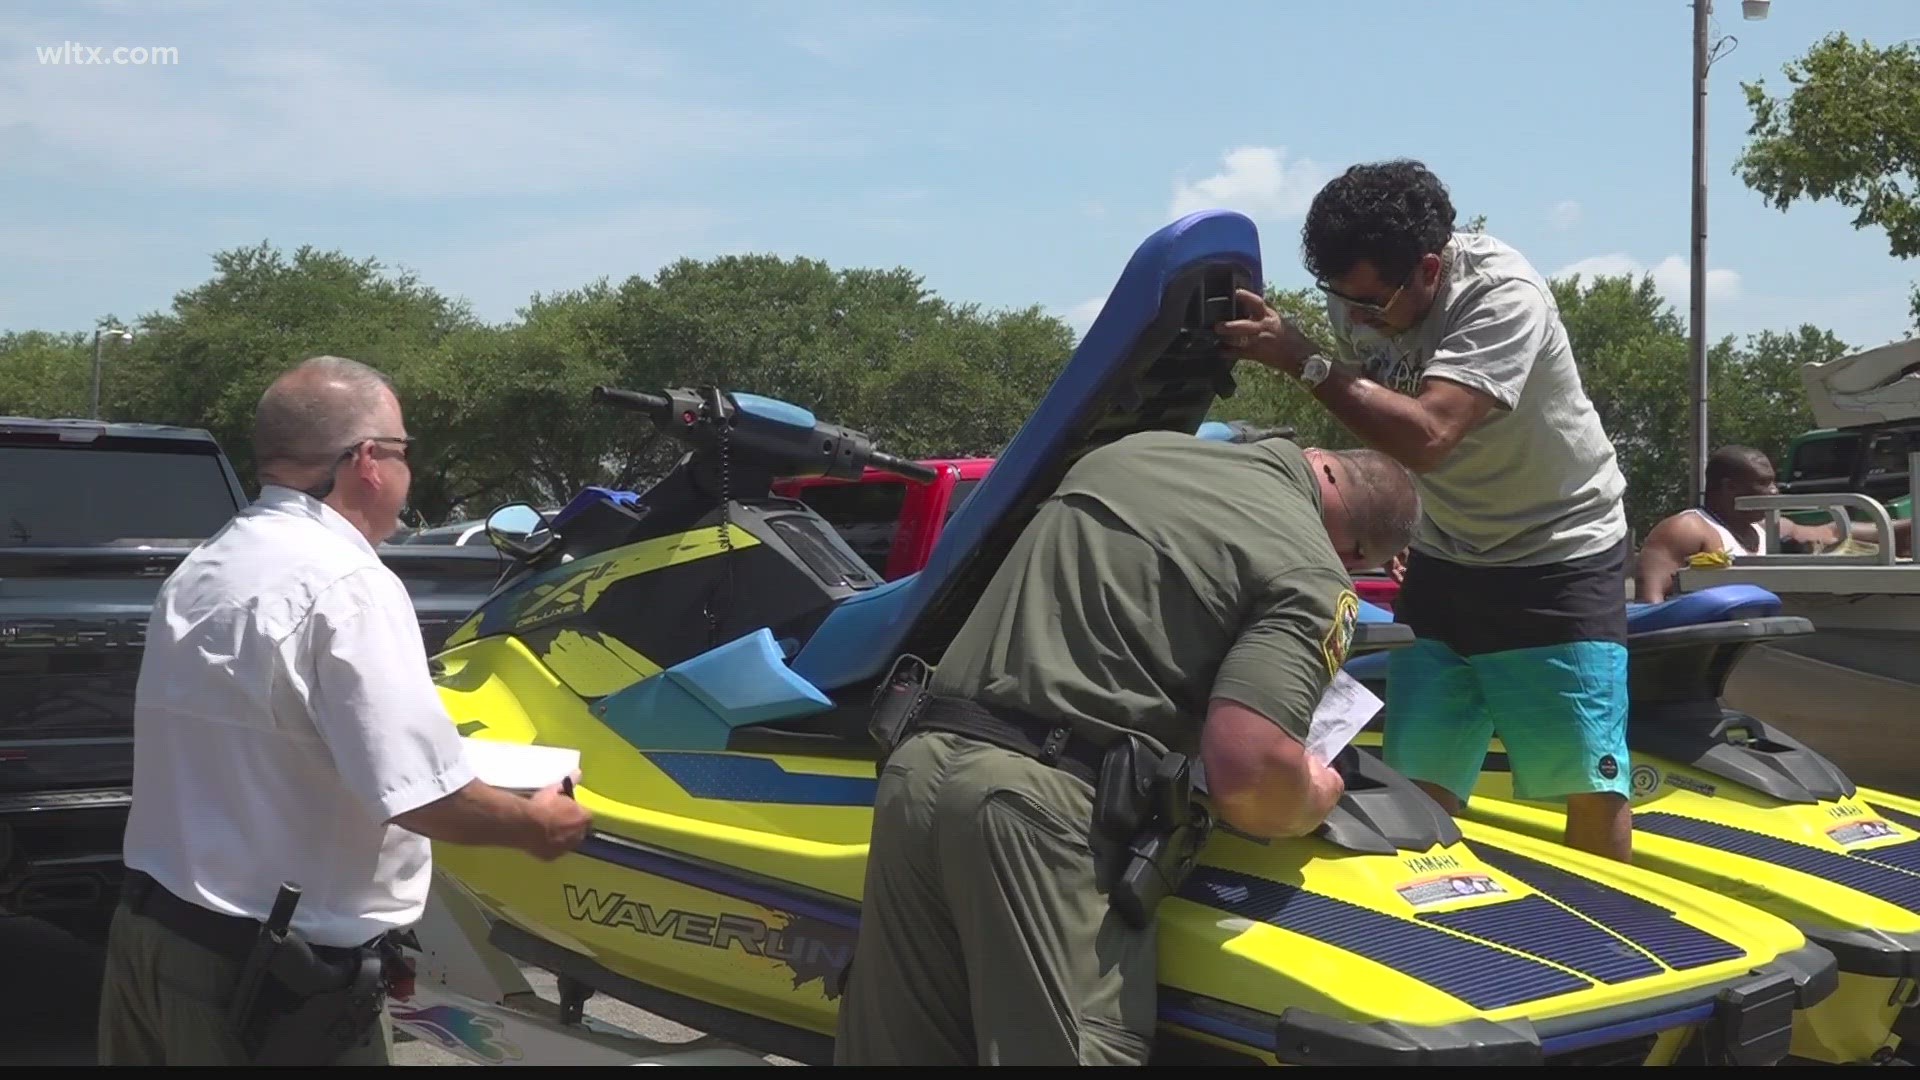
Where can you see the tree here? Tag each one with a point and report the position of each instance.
(1848, 131)
(45, 374)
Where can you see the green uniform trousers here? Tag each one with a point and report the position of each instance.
(164, 1002)
(984, 938)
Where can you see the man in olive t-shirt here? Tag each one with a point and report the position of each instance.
(1165, 576)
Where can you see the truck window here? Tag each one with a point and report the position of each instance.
(961, 489)
(64, 496)
(867, 515)
(1826, 458)
(1887, 455)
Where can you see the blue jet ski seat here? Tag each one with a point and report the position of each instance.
(1722, 603)
(1148, 362)
(1713, 626)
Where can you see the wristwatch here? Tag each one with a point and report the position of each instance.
(1315, 370)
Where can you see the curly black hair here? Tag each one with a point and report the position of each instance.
(1388, 213)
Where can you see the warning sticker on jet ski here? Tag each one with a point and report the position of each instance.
(1438, 890)
(1859, 832)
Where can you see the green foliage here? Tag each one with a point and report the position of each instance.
(1849, 131)
(502, 412)
(1632, 351)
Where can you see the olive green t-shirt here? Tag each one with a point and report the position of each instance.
(1166, 570)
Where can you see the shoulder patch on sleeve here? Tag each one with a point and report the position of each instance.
(1339, 636)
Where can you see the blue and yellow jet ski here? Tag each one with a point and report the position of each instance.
(711, 651)
(1738, 806)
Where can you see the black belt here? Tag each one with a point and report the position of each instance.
(231, 936)
(1050, 742)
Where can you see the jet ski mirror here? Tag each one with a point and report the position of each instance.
(519, 530)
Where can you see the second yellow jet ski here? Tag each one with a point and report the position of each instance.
(1740, 807)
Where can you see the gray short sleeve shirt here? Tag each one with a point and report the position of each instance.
(1538, 481)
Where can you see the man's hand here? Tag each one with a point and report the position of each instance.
(1262, 336)
(560, 824)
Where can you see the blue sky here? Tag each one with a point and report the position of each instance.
(1010, 152)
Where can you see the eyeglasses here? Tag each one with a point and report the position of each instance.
(1364, 305)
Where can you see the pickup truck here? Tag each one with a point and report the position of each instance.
(93, 517)
(893, 523)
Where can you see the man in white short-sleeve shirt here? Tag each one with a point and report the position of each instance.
(286, 729)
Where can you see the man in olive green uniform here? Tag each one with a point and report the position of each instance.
(1169, 578)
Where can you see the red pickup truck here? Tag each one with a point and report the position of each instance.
(892, 522)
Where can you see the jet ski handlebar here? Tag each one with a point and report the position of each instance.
(782, 438)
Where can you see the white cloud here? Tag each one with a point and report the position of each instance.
(1670, 276)
(1080, 315)
(426, 101)
(1565, 214)
(1257, 181)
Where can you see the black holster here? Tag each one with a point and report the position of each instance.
(1148, 826)
(293, 1004)
(309, 1009)
(897, 704)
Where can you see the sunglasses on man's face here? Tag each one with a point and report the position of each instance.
(1366, 307)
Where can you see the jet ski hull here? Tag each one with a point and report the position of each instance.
(1739, 807)
(721, 889)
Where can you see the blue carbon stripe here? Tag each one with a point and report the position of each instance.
(744, 778)
(1899, 856)
(1896, 816)
(1537, 925)
(1643, 922)
(1878, 881)
(1476, 973)
(689, 872)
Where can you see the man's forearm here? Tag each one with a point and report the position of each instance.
(475, 814)
(1392, 423)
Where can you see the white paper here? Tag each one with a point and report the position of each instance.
(520, 767)
(1343, 710)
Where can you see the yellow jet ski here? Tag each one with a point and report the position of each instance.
(711, 651)
(1739, 807)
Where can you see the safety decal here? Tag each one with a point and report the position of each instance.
(1645, 780)
(1859, 832)
(1333, 647)
(1436, 890)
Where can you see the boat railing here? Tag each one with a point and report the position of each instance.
(1836, 503)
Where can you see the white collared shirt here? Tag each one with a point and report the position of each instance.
(284, 714)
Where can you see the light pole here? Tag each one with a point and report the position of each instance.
(1703, 58)
(100, 333)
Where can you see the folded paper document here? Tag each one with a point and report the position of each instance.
(520, 766)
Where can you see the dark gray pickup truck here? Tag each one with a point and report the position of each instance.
(93, 517)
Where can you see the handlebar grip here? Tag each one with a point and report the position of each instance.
(911, 469)
(631, 399)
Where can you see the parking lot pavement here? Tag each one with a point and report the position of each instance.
(50, 996)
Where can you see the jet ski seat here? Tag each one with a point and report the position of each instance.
(1149, 362)
(1679, 648)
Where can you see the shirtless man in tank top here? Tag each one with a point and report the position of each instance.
(1732, 473)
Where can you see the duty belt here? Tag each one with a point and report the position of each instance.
(1050, 742)
(231, 936)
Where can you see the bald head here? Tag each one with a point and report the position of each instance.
(314, 412)
(1369, 504)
